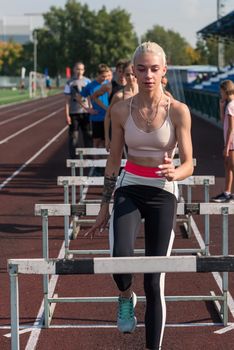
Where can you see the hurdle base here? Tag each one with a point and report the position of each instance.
(218, 307)
(187, 226)
(52, 305)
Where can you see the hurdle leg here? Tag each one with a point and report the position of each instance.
(222, 307)
(73, 173)
(225, 274)
(75, 227)
(66, 218)
(81, 173)
(207, 219)
(189, 200)
(45, 250)
(15, 344)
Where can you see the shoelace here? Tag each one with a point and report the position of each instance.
(126, 308)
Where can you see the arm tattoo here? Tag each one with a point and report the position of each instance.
(109, 186)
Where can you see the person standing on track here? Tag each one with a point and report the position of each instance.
(129, 90)
(227, 118)
(151, 126)
(97, 117)
(116, 84)
(77, 116)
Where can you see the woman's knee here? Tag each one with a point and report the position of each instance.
(152, 285)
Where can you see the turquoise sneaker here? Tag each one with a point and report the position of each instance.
(126, 321)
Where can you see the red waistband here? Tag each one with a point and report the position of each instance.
(142, 170)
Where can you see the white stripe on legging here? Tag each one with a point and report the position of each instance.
(162, 288)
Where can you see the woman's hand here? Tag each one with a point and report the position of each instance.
(167, 168)
(101, 221)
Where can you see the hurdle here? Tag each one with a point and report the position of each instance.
(86, 181)
(46, 210)
(90, 163)
(99, 163)
(223, 264)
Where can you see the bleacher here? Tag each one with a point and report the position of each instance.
(213, 83)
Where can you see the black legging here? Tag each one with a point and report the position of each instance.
(158, 208)
(78, 132)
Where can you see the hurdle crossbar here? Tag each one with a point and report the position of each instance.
(99, 180)
(91, 209)
(118, 265)
(105, 266)
(89, 163)
(86, 181)
(97, 151)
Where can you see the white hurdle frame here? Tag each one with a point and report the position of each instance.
(223, 209)
(92, 163)
(105, 266)
(86, 181)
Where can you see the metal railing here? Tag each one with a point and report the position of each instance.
(203, 103)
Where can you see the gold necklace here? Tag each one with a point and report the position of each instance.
(149, 119)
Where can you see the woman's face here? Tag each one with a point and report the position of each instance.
(129, 75)
(149, 70)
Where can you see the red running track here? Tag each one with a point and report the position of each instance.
(33, 151)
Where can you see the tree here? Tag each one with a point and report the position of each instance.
(10, 53)
(177, 50)
(76, 33)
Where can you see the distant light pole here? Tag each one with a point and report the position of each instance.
(220, 14)
(35, 51)
(33, 38)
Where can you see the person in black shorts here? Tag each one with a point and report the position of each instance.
(77, 116)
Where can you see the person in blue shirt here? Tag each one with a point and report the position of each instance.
(97, 115)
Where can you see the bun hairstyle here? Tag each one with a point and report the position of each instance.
(149, 46)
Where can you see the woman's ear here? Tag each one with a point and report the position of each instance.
(164, 70)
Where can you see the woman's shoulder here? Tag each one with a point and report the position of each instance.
(122, 105)
(230, 107)
(121, 110)
(179, 111)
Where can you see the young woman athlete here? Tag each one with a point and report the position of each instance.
(152, 127)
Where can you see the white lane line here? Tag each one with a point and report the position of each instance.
(27, 113)
(37, 325)
(35, 333)
(4, 183)
(30, 126)
(22, 331)
(53, 280)
(225, 329)
(218, 280)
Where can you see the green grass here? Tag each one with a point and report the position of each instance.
(8, 96)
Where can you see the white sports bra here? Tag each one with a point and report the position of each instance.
(150, 144)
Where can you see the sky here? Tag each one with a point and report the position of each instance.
(183, 16)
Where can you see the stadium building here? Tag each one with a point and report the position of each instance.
(19, 28)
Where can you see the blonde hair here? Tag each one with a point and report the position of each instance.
(227, 86)
(149, 46)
